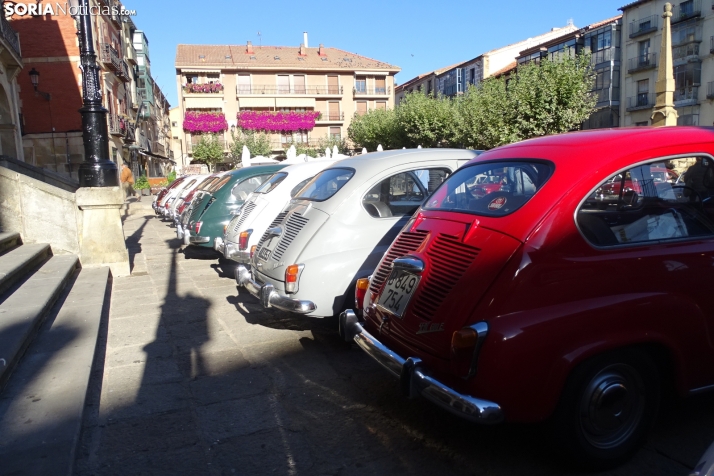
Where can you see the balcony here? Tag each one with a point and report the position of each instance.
(644, 26)
(10, 36)
(688, 96)
(117, 125)
(605, 56)
(123, 74)
(642, 62)
(687, 10)
(130, 132)
(641, 101)
(244, 90)
(157, 148)
(686, 36)
(685, 53)
(110, 57)
(335, 117)
(372, 91)
(710, 90)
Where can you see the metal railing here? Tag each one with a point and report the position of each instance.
(117, 125)
(641, 101)
(157, 148)
(372, 91)
(685, 51)
(123, 73)
(332, 117)
(10, 35)
(644, 26)
(642, 62)
(307, 90)
(689, 94)
(687, 10)
(109, 56)
(690, 35)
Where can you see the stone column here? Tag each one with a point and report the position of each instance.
(101, 240)
(664, 113)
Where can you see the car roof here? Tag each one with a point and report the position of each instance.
(255, 170)
(378, 161)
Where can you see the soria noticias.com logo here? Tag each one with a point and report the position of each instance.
(32, 9)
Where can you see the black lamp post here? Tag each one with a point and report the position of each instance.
(96, 170)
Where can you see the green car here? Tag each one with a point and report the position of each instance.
(223, 200)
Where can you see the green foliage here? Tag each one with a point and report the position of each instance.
(258, 143)
(302, 148)
(209, 150)
(328, 142)
(171, 177)
(378, 126)
(426, 120)
(141, 183)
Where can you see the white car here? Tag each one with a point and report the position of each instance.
(339, 226)
(163, 205)
(194, 182)
(260, 208)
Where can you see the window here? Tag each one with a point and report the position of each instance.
(299, 84)
(299, 187)
(686, 8)
(283, 84)
(641, 124)
(686, 76)
(649, 203)
(491, 189)
(643, 89)
(380, 105)
(325, 184)
(243, 84)
(270, 184)
(333, 111)
(335, 133)
(333, 85)
(361, 107)
(361, 84)
(380, 86)
(242, 189)
(643, 49)
(403, 193)
(174, 124)
(600, 41)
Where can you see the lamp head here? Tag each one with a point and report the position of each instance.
(34, 77)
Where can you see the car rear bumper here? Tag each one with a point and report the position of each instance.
(269, 297)
(414, 379)
(231, 251)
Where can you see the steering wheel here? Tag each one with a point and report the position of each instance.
(688, 191)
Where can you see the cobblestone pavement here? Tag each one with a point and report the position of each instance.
(198, 379)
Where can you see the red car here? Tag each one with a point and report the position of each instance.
(534, 304)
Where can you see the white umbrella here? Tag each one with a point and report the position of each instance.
(334, 151)
(292, 153)
(364, 150)
(379, 148)
(261, 159)
(419, 147)
(327, 152)
(245, 157)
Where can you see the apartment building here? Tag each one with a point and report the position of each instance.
(297, 94)
(692, 24)
(602, 41)
(51, 122)
(10, 67)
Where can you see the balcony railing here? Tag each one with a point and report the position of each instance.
(690, 35)
(642, 62)
(686, 96)
(10, 36)
(117, 125)
(710, 90)
(605, 55)
(687, 10)
(110, 57)
(157, 148)
(123, 73)
(685, 51)
(372, 91)
(242, 90)
(641, 101)
(332, 117)
(644, 26)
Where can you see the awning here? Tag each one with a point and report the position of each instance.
(295, 102)
(151, 155)
(204, 102)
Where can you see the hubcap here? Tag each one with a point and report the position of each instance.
(612, 406)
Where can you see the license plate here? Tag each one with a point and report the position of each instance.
(398, 291)
(264, 254)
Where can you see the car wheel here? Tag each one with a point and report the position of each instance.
(608, 405)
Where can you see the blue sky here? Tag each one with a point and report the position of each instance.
(418, 36)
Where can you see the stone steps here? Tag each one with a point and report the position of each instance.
(50, 316)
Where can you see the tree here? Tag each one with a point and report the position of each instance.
(378, 126)
(258, 143)
(426, 120)
(209, 150)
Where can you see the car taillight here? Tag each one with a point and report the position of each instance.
(360, 292)
(197, 227)
(243, 239)
(252, 250)
(167, 205)
(292, 276)
(465, 346)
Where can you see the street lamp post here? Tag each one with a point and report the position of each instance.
(96, 170)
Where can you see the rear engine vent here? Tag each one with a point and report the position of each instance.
(449, 259)
(278, 220)
(293, 225)
(249, 207)
(404, 244)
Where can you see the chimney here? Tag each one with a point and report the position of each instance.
(249, 48)
(304, 38)
(321, 51)
(303, 51)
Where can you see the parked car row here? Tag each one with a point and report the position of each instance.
(496, 285)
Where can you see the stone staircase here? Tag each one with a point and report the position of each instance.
(51, 311)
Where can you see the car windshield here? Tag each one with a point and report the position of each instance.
(325, 184)
(270, 184)
(491, 189)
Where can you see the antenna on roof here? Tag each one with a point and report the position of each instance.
(570, 22)
(260, 41)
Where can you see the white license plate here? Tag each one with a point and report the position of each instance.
(264, 254)
(399, 289)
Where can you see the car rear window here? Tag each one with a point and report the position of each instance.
(491, 189)
(325, 184)
(218, 185)
(270, 184)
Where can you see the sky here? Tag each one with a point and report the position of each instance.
(418, 36)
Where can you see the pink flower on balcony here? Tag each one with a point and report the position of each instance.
(201, 122)
(277, 121)
(203, 88)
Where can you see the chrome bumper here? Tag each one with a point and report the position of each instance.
(414, 379)
(179, 231)
(230, 251)
(268, 296)
(197, 239)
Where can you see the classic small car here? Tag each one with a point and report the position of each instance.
(338, 226)
(261, 207)
(534, 304)
(192, 183)
(161, 197)
(217, 206)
